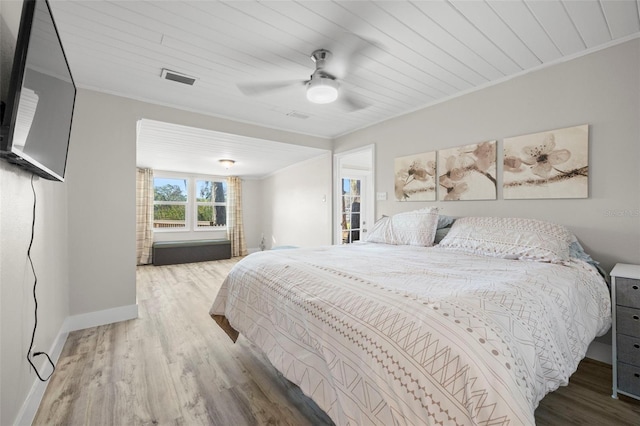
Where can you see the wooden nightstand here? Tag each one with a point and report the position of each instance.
(625, 298)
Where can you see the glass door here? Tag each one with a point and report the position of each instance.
(351, 222)
(353, 194)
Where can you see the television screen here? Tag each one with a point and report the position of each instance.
(37, 121)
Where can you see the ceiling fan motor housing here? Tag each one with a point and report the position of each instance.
(320, 57)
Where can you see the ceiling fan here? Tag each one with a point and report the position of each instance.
(326, 83)
(322, 87)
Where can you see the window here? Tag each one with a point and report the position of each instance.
(350, 210)
(211, 203)
(183, 204)
(170, 203)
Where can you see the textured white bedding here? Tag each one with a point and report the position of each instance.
(380, 334)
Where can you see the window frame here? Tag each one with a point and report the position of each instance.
(347, 213)
(213, 203)
(191, 205)
(172, 203)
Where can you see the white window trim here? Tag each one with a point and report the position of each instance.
(191, 203)
(196, 203)
(180, 203)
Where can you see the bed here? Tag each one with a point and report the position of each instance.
(469, 331)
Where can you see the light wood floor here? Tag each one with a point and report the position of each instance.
(173, 365)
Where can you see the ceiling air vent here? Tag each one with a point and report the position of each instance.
(178, 77)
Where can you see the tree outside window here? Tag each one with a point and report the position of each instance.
(170, 203)
(189, 203)
(211, 203)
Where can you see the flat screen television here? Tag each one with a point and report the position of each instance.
(36, 122)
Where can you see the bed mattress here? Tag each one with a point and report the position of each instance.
(383, 334)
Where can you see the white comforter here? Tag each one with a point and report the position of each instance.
(379, 334)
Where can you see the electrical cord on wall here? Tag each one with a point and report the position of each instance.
(35, 299)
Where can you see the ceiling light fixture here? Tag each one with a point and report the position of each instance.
(227, 164)
(322, 90)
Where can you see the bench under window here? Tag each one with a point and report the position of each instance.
(174, 252)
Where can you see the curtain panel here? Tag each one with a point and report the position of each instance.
(144, 216)
(235, 227)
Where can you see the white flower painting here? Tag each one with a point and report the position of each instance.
(468, 172)
(552, 164)
(415, 177)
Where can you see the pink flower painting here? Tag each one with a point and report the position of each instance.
(415, 177)
(467, 172)
(552, 164)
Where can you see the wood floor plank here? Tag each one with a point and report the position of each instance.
(587, 400)
(174, 366)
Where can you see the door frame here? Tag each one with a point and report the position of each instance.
(368, 173)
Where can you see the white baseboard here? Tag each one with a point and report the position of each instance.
(30, 406)
(600, 352)
(76, 322)
(107, 316)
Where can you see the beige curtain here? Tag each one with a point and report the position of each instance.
(144, 215)
(235, 228)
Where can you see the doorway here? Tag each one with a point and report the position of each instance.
(354, 194)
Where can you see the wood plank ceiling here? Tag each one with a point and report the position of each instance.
(394, 56)
(170, 147)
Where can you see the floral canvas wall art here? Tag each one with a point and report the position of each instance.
(415, 177)
(468, 172)
(552, 164)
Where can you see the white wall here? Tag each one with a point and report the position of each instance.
(101, 173)
(101, 176)
(601, 89)
(49, 254)
(296, 204)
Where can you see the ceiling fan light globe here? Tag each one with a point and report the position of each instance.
(322, 90)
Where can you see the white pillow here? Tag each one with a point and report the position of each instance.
(415, 228)
(381, 232)
(510, 238)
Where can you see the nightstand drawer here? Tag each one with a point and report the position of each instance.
(629, 378)
(628, 292)
(627, 321)
(628, 349)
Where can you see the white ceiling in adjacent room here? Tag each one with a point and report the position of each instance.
(171, 147)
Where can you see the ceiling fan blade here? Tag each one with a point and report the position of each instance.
(352, 102)
(256, 89)
(349, 53)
